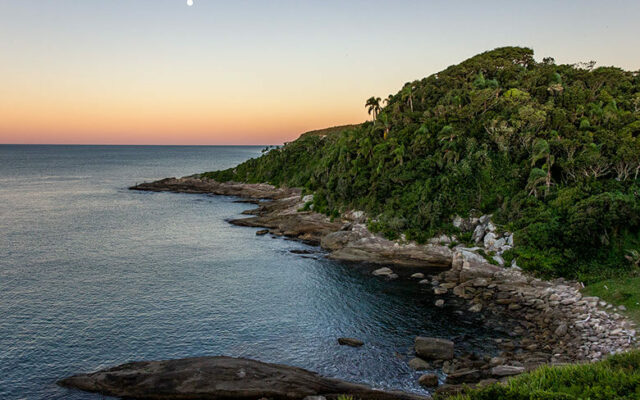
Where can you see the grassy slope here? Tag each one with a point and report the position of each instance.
(624, 290)
(616, 378)
(334, 130)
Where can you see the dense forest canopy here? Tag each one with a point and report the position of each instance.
(552, 151)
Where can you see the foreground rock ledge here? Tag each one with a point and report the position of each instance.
(219, 378)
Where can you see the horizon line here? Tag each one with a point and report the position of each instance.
(133, 144)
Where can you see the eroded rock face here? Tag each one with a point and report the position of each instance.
(377, 250)
(218, 378)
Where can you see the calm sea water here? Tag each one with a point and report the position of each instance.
(93, 275)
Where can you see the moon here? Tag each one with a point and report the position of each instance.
(189, 3)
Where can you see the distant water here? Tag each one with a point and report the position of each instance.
(93, 275)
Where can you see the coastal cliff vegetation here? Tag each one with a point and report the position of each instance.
(551, 151)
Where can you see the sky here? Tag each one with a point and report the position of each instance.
(260, 72)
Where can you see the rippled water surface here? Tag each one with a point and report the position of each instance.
(93, 275)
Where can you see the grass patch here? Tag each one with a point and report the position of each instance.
(624, 291)
(617, 377)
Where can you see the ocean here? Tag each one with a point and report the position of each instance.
(94, 275)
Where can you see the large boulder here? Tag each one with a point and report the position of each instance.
(434, 348)
(219, 378)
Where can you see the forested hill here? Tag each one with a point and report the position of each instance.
(552, 151)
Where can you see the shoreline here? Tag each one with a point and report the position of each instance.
(549, 322)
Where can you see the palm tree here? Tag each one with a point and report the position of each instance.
(373, 106)
(407, 95)
(385, 124)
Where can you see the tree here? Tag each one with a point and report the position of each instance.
(542, 151)
(385, 124)
(407, 95)
(373, 106)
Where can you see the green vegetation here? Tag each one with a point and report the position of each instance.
(552, 151)
(623, 290)
(618, 377)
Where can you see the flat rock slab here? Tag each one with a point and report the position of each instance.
(219, 378)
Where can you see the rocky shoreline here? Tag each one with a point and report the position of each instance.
(546, 321)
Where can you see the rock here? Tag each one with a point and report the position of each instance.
(561, 330)
(383, 272)
(439, 290)
(476, 308)
(339, 239)
(622, 308)
(506, 370)
(439, 303)
(447, 390)
(392, 276)
(478, 233)
(355, 215)
(216, 378)
(442, 239)
(428, 380)
(489, 240)
(434, 348)
(498, 245)
(495, 361)
(344, 341)
(419, 364)
(418, 275)
(499, 260)
(424, 282)
(377, 250)
(472, 269)
(510, 240)
(464, 376)
(487, 382)
(458, 221)
(313, 398)
(262, 232)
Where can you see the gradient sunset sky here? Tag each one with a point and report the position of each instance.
(259, 72)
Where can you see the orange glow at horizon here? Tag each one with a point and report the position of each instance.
(80, 115)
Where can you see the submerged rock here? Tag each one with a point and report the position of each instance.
(353, 342)
(217, 378)
(383, 272)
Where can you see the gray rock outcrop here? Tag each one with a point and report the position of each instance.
(219, 378)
